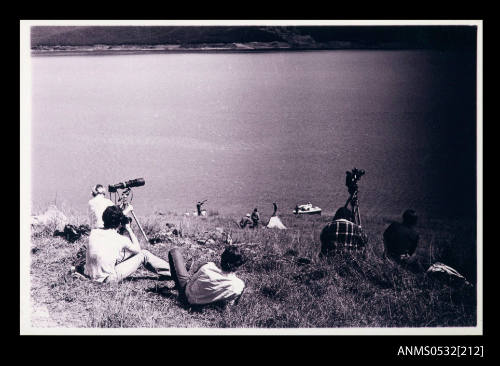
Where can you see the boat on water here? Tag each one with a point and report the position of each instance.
(307, 209)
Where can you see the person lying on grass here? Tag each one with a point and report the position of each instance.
(342, 235)
(209, 284)
(112, 257)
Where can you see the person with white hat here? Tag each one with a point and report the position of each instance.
(97, 205)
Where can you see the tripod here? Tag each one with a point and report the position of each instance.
(123, 201)
(353, 200)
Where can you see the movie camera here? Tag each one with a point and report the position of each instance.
(123, 198)
(351, 181)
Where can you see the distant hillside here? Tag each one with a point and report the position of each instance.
(295, 37)
(112, 35)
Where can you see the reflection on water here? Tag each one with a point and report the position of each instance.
(244, 130)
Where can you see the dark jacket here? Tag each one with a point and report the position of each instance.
(400, 239)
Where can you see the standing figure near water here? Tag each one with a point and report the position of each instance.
(97, 205)
(274, 221)
(255, 219)
(198, 206)
(275, 209)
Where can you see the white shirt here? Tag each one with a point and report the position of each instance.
(97, 205)
(210, 284)
(106, 248)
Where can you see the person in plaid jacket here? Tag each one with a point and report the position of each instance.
(342, 235)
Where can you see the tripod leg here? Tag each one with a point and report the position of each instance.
(140, 227)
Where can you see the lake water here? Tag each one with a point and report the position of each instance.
(246, 129)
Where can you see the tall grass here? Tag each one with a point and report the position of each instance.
(287, 285)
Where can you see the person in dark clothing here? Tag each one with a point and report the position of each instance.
(400, 239)
(255, 218)
(342, 235)
(198, 206)
(275, 209)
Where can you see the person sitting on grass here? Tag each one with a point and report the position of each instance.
(342, 235)
(245, 221)
(112, 257)
(401, 240)
(209, 284)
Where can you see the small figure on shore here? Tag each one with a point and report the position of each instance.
(209, 284)
(198, 207)
(274, 221)
(342, 235)
(112, 257)
(255, 218)
(401, 240)
(245, 221)
(97, 205)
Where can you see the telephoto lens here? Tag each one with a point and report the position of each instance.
(128, 184)
(134, 183)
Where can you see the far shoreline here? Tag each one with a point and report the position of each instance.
(260, 47)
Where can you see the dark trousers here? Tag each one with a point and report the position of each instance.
(178, 270)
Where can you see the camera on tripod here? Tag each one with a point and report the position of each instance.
(125, 196)
(351, 179)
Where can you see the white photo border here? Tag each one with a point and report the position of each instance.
(25, 183)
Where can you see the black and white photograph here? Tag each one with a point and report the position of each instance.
(251, 177)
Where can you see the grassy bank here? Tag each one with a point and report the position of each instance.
(288, 286)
